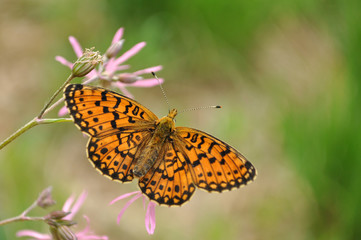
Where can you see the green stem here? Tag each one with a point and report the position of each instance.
(29, 125)
(54, 96)
(23, 129)
(53, 120)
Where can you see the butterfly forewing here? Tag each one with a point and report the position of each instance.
(98, 112)
(214, 165)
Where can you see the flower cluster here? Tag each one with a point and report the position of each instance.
(61, 221)
(68, 211)
(111, 72)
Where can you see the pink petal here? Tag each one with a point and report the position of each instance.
(76, 46)
(127, 205)
(110, 67)
(68, 203)
(118, 35)
(122, 67)
(64, 61)
(79, 202)
(150, 218)
(34, 234)
(89, 237)
(63, 111)
(85, 233)
(148, 70)
(123, 196)
(87, 227)
(147, 82)
(134, 50)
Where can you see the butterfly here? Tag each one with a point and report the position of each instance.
(129, 141)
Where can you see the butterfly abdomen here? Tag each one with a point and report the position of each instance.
(147, 158)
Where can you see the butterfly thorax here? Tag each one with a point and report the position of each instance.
(164, 128)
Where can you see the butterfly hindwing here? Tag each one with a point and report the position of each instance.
(99, 112)
(169, 182)
(114, 155)
(214, 165)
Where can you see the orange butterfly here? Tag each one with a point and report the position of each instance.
(127, 140)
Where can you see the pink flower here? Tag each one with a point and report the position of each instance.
(149, 215)
(112, 65)
(73, 208)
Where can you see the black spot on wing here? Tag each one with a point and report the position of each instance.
(104, 95)
(202, 141)
(118, 102)
(127, 108)
(194, 138)
(135, 110)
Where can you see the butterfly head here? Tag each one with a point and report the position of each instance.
(165, 125)
(172, 113)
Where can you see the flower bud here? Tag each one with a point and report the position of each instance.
(62, 233)
(86, 63)
(45, 199)
(127, 78)
(57, 215)
(57, 222)
(114, 49)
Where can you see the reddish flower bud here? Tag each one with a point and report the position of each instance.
(114, 49)
(57, 215)
(127, 78)
(45, 199)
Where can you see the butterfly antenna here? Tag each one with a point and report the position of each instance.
(161, 87)
(199, 108)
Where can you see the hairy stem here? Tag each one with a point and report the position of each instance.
(22, 217)
(53, 106)
(54, 96)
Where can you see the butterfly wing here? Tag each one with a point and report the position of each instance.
(119, 128)
(168, 182)
(114, 155)
(100, 112)
(213, 164)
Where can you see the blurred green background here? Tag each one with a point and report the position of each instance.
(287, 73)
